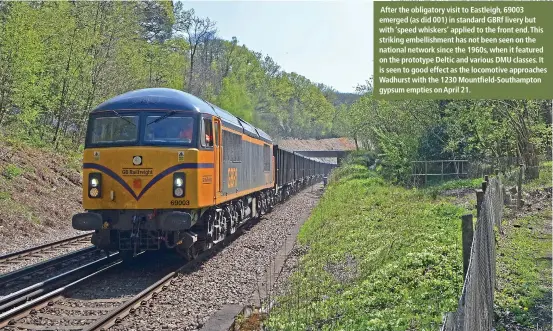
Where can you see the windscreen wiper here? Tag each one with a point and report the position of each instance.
(172, 112)
(121, 117)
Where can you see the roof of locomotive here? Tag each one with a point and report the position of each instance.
(149, 99)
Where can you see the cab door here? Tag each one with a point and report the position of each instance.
(218, 151)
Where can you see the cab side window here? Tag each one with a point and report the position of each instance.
(207, 133)
(216, 136)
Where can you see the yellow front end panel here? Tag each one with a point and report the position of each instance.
(149, 185)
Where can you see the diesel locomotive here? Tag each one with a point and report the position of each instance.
(163, 169)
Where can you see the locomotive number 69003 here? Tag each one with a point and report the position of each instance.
(180, 202)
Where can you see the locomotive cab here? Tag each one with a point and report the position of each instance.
(147, 175)
(165, 169)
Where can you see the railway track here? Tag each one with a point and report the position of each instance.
(54, 309)
(11, 260)
(117, 314)
(23, 277)
(28, 301)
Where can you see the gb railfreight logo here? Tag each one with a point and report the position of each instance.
(137, 172)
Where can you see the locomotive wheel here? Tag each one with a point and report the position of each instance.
(189, 253)
(264, 203)
(239, 212)
(232, 219)
(223, 221)
(209, 231)
(259, 206)
(219, 227)
(268, 202)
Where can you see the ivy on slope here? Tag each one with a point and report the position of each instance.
(380, 257)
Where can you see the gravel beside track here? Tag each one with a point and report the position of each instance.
(44, 255)
(9, 245)
(229, 277)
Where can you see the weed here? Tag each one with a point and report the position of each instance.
(12, 171)
(23, 211)
(350, 172)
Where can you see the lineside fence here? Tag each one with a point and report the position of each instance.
(475, 309)
(426, 172)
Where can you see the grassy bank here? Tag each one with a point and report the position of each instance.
(523, 293)
(39, 192)
(380, 258)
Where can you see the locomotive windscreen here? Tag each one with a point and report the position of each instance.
(112, 129)
(140, 128)
(178, 129)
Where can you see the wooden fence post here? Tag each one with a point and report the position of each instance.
(468, 233)
(479, 199)
(442, 171)
(484, 186)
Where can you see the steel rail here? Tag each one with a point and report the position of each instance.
(116, 315)
(8, 317)
(10, 256)
(35, 268)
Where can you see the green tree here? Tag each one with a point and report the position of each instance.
(60, 59)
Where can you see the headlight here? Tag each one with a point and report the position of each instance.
(178, 184)
(94, 185)
(94, 192)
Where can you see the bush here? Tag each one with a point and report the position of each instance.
(361, 157)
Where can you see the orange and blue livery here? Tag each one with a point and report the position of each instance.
(165, 169)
